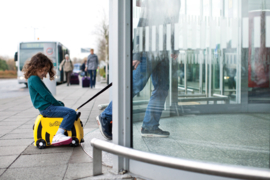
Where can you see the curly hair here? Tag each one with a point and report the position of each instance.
(38, 62)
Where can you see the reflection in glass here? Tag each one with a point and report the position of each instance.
(192, 73)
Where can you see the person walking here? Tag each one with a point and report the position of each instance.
(83, 69)
(92, 66)
(68, 67)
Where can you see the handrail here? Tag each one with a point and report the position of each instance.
(191, 95)
(219, 95)
(215, 99)
(176, 163)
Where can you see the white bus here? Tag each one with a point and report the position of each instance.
(54, 50)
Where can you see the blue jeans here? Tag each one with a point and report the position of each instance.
(92, 77)
(68, 114)
(158, 69)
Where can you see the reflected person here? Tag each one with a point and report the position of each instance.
(154, 64)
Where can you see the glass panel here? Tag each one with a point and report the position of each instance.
(259, 52)
(190, 75)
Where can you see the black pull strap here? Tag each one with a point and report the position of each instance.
(104, 89)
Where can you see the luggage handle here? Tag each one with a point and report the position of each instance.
(78, 116)
(104, 89)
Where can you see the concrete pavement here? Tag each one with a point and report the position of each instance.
(19, 159)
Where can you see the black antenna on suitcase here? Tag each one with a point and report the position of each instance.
(104, 89)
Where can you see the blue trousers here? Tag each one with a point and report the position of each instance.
(158, 69)
(68, 114)
(92, 77)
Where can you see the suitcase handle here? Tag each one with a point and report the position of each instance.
(78, 116)
(104, 89)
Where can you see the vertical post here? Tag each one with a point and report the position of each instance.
(200, 55)
(97, 161)
(51, 84)
(186, 59)
(210, 50)
(201, 69)
(206, 74)
(239, 50)
(221, 73)
(221, 76)
(121, 58)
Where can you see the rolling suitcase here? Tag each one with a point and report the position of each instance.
(46, 127)
(74, 78)
(85, 82)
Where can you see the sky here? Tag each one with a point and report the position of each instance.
(73, 23)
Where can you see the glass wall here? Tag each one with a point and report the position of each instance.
(197, 66)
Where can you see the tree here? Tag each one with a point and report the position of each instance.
(3, 65)
(11, 64)
(102, 32)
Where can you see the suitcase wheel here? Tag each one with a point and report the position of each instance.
(74, 142)
(82, 140)
(40, 144)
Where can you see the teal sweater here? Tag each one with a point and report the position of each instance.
(40, 95)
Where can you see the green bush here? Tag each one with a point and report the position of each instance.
(3, 65)
(101, 72)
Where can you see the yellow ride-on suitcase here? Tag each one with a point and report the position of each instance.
(45, 128)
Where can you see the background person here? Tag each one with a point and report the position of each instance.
(83, 68)
(92, 66)
(43, 100)
(68, 67)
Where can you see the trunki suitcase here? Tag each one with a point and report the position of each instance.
(46, 127)
(74, 78)
(85, 82)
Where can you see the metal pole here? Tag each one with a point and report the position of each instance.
(186, 72)
(239, 54)
(206, 74)
(221, 76)
(210, 49)
(97, 161)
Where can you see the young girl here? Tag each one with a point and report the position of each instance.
(34, 71)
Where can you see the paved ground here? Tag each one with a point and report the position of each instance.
(19, 159)
(10, 88)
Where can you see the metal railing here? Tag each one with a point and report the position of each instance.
(215, 99)
(175, 163)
